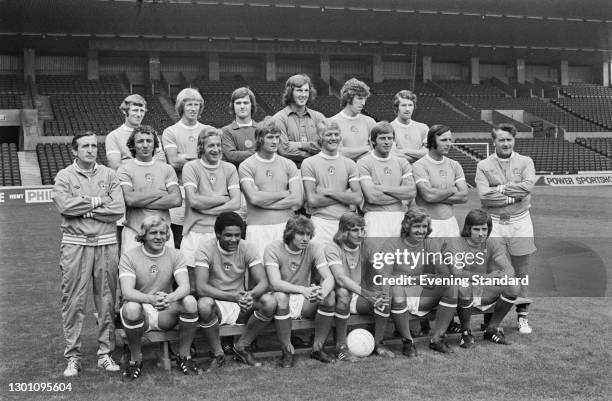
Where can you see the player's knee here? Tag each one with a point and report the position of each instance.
(282, 300)
(132, 311)
(450, 291)
(189, 304)
(512, 291)
(268, 304)
(397, 292)
(464, 292)
(343, 298)
(205, 307)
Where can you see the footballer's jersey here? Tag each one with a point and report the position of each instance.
(440, 174)
(389, 171)
(206, 179)
(296, 267)
(333, 172)
(271, 175)
(153, 176)
(116, 143)
(153, 273)
(227, 270)
(480, 259)
(183, 138)
(517, 173)
(349, 259)
(238, 142)
(412, 136)
(355, 131)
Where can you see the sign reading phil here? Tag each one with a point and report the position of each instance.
(575, 180)
(25, 195)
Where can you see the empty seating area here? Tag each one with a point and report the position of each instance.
(585, 90)
(328, 105)
(11, 90)
(461, 88)
(550, 155)
(52, 157)
(538, 107)
(600, 145)
(68, 84)
(467, 163)
(9, 165)
(97, 113)
(596, 110)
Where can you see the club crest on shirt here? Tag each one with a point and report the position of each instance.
(331, 170)
(102, 184)
(354, 129)
(248, 143)
(269, 173)
(227, 266)
(192, 138)
(516, 171)
(304, 139)
(148, 178)
(154, 270)
(294, 266)
(442, 173)
(387, 171)
(212, 178)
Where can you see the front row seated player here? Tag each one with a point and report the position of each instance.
(147, 274)
(347, 260)
(294, 266)
(224, 267)
(417, 299)
(495, 263)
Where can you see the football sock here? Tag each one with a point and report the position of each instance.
(211, 331)
(282, 321)
(464, 311)
(399, 314)
(254, 326)
(502, 307)
(380, 324)
(323, 322)
(444, 316)
(188, 324)
(341, 324)
(486, 319)
(134, 329)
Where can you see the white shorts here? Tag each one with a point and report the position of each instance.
(477, 292)
(177, 214)
(448, 228)
(413, 300)
(151, 317)
(128, 239)
(325, 229)
(353, 304)
(296, 303)
(262, 235)
(190, 244)
(518, 234)
(229, 312)
(384, 224)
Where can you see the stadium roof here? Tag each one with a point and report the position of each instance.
(580, 31)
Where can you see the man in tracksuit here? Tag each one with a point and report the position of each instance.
(90, 201)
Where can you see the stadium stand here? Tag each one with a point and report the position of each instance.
(52, 157)
(535, 106)
(549, 155)
(70, 85)
(460, 88)
(468, 163)
(595, 109)
(11, 90)
(585, 90)
(600, 145)
(9, 165)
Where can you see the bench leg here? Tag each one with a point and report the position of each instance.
(165, 356)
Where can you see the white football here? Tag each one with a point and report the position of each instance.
(360, 342)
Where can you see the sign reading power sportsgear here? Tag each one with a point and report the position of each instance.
(575, 180)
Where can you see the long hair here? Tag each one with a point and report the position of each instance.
(415, 215)
(476, 217)
(348, 221)
(297, 224)
(434, 131)
(297, 81)
(268, 125)
(187, 95)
